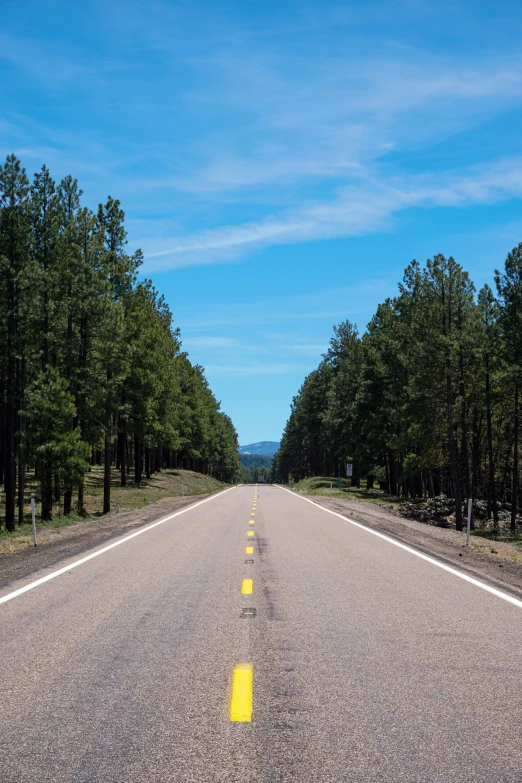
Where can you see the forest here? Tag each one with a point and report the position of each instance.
(91, 367)
(426, 402)
(255, 465)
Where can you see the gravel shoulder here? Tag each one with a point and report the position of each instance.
(498, 563)
(57, 544)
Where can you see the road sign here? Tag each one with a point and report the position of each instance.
(349, 469)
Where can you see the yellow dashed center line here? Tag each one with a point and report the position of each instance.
(243, 677)
(242, 685)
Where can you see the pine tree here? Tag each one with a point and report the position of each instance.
(509, 287)
(14, 258)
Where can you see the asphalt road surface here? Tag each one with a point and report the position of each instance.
(368, 663)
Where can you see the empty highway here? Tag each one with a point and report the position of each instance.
(257, 638)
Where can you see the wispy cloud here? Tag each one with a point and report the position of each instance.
(369, 206)
(268, 133)
(42, 60)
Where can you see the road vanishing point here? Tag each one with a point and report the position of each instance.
(255, 637)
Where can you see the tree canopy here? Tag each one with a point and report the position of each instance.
(426, 401)
(91, 367)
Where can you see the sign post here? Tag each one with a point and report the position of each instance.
(349, 469)
(470, 509)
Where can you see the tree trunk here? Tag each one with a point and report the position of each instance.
(137, 460)
(10, 416)
(454, 462)
(107, 471)
(57, 488)
(81, 501)
(21, 490)
(491, 464)
(464, 453)
(107, 450)
(393, 474)
(122, 451)
(47, 493)
(67, 502)
(514, 491)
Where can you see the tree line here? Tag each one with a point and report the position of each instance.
(427, 400)
(91, 368)
(255, 465)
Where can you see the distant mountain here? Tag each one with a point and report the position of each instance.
(266, 447)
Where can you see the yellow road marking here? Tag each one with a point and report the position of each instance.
(250, 533)
(241, 702)
(247, 587)
(250, 521)
(252, 513)
(249, 550)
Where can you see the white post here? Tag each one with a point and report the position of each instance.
(470, 505)
(33, 516)
(330, 490)
(182, 491)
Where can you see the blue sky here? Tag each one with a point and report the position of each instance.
(279, 163)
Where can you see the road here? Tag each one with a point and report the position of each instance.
(368, 663)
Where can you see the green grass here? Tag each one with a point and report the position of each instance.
(320, 485)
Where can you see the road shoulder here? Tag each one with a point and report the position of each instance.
(498, 563)
(81, 537)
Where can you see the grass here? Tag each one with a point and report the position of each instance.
(504, 535)
(320, 485)
(161, 486)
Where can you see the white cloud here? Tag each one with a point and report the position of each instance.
(358, 209)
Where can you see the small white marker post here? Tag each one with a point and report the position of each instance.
(330, 490)
(470, 504)
(182, 491)
(33, 515)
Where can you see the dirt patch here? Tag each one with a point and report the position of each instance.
(56, 544)
(497, 562)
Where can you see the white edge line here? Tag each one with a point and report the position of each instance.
(21, 590)
(498, 593)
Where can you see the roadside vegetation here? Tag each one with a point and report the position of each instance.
(320, 485)
(425, 404)
(93, 378)
(163, 486)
